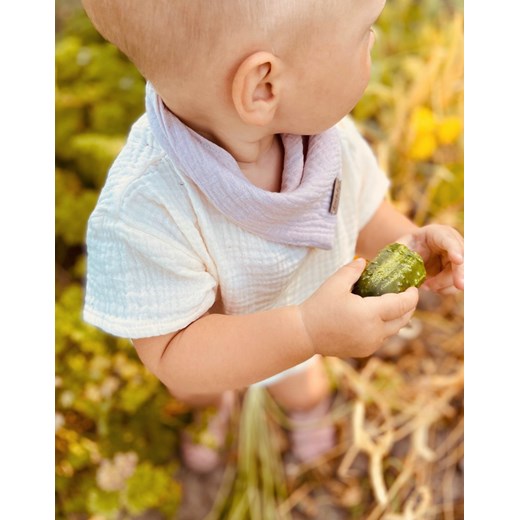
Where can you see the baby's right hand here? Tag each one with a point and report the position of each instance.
(343, 324)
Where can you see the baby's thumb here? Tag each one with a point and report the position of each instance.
(350, 273)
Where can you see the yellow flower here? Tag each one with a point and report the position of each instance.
(423, 124)
(449, 129)
(422, 121)
(423, 147)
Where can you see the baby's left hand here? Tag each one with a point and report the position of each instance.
(442, 249)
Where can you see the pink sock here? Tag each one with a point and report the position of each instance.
(310, 436)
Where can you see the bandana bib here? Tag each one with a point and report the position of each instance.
(303, 213)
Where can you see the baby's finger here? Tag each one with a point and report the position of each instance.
(453, 245)
(394, 326)
(393, 306)
(458, 276)
(441, 281)
(448, 290)
(456, 251)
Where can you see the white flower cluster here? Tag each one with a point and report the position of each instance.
(59, 421)
(112, 474)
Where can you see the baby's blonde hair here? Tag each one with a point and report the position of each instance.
(177, 37)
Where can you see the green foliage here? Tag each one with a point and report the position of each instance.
(106, 503)
(74, 203)
(107, 402)
(93, 154)
(150, 486)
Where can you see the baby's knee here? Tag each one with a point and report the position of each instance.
(303, 390)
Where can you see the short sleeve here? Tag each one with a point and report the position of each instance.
(141, 284)
(371, 181)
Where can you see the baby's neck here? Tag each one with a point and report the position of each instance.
(265, 171)
(260, 159)
(258, 152)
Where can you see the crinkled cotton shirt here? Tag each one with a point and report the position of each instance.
(159, 255)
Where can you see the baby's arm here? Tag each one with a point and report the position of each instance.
(219, 352)
(385, 227)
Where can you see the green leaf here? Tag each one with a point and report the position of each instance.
(150, 487)
(103, 502)
(93, 156)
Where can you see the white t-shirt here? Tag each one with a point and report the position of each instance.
(159, 255)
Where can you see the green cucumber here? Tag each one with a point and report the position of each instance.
(393, 270)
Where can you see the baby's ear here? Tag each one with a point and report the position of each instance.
(256, 88)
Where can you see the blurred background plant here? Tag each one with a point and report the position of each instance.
(117, 427)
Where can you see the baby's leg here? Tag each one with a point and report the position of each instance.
(196, 453)
(306, 397)
(303, 390)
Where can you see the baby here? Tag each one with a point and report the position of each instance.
(223, 239)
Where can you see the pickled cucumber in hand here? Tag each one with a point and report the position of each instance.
(393, 270)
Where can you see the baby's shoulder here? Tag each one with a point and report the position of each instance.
(141, 175)
(349, 132)
(354, 145)
(140, 160)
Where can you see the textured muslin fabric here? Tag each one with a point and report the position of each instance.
(297, 215)
(160, 254)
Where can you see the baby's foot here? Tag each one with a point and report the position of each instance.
(201, 451)
(313, 432)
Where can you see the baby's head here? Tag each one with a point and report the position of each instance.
(292, 66)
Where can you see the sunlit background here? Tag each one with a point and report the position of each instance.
(399, 413)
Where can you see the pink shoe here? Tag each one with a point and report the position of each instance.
(313, 432)
(202, 450)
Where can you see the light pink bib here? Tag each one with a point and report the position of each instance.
(303, 213)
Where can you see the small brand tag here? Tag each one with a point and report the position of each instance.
(336, 190)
